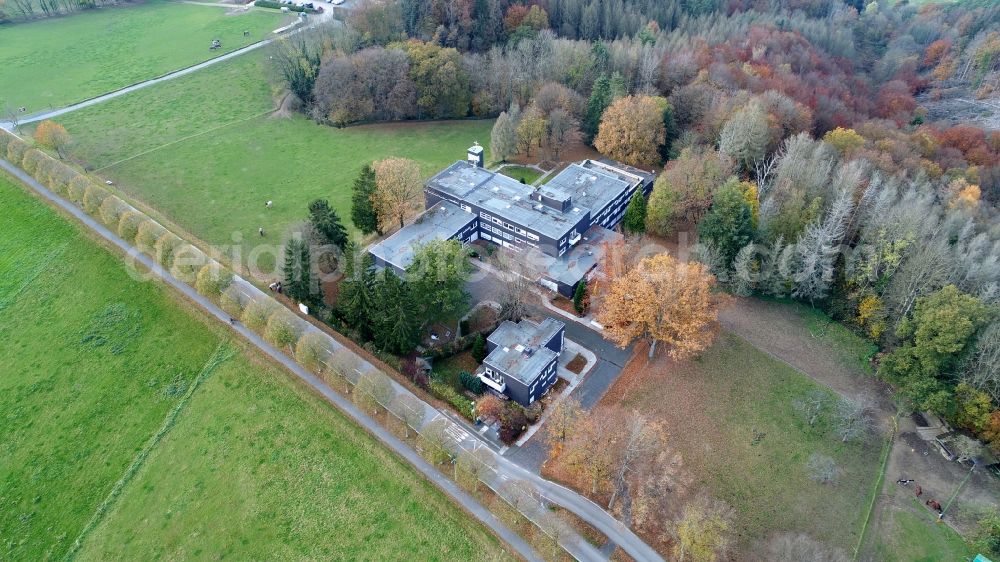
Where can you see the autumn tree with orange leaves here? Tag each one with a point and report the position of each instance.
(398, 189)
(52, 135)
(632, 130)
(662, 300)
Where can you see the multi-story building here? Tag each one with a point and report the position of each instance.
(582, 203)
(523, 358)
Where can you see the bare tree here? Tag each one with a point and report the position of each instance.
(374, 390)
(812, 405)
(822, 468)
(816, 251)
(516, 287)
(561, 422)
(852, 419)
(983, 366)
(409, 409)
(479, 463)
(967, 448)
(745, 136)
(639, 438)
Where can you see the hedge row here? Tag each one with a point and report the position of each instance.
(279, 5)
(186, 262)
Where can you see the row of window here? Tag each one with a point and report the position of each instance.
(508, 226)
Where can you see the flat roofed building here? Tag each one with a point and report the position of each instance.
(523, 358)
(443, 221)
(551, 219)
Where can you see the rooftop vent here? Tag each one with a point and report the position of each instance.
(517, 198)
(506, 349)
(529, 351)
(519, 347)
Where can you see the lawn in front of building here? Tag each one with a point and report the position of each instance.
(204, 153)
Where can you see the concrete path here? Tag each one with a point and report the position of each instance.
(462, 434)
(326, 16)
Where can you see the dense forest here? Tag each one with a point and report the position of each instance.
(789, 134)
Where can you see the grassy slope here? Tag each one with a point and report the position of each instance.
(73, 416)
(711, 406)
(216, 184)
(256, 458)
(255, 467)
(93, 52)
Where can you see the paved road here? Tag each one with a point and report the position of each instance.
(326, 16)
(397, 446)
(462, 434)
(610, 361)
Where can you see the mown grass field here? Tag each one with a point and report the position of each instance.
(254, 467)
(208, 164)
(913, 535)
(57, 61)
(730, 414)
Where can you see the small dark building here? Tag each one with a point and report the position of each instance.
(523, 358)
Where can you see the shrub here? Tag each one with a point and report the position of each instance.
(434, 442)
(31, 160)
(93, 198)
(533, 412)
(471, 382)
(281, 329)
(279, 5)
(463, 327)
(512, 422)
(311, 351)
(374, 390)
(15, 151)
(212, 279)
(128, 224)
(822, 468)
(165, 247)
(445, 392)
(111, 209)
(59, 176)
(147, 234)
(76, 189)
(256, 313)
(231, 302)
(188, 261)
(5, 138)
(479, 348)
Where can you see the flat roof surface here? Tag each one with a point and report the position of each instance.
(441, 222)
(590, 185)
(574, 264)
(513, 342)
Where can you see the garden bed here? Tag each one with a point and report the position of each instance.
(577, 364)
